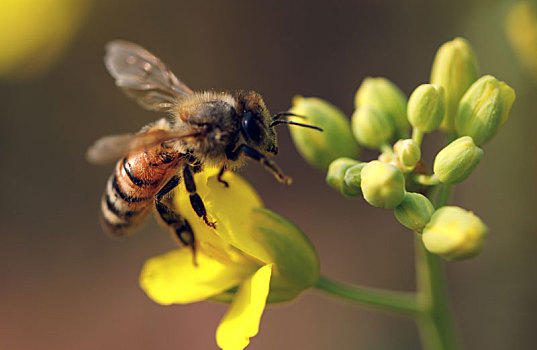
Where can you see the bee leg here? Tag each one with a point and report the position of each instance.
(261, 158)
(220, 174)
(195, 199)
(181, 228)
(170, 185)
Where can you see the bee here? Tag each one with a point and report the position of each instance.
(203, 128)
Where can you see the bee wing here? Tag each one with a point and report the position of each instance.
(109, 148)
(143, 77)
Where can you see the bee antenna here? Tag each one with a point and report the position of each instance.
(276, 122)
(286, 114)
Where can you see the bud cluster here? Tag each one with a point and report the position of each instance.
(468, 108)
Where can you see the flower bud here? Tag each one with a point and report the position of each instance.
(321, 148)
(383, 185)
(484, 108)
(386, 97)
(353, 177)
(455, 69)
(454, 233)
(408, 152)
(371, 126)
(414, 212)
(335, 177)
(426, 107)
(456, 161)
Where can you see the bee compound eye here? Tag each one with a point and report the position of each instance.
(252, 126)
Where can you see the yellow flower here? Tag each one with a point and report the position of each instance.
(254, 256)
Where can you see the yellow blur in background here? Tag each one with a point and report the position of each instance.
(34, 34)
(521, 26)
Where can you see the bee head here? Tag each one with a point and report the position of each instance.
(258, 125)
(256, 122)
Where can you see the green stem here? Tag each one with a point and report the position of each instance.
(417, 136)
(444, 195)
(435, 323)
(427, 180)
(400, 302)
(386, 148)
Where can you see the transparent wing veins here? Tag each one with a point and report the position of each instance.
(143, 76)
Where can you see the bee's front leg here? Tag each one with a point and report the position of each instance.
(195, 199)
(220, 174)
(179, 225)
(261, 158)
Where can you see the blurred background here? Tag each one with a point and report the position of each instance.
(66, 285)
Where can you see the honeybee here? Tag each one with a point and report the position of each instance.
(203, 128)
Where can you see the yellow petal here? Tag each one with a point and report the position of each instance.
(233, 209)
(230, 207)
(241, 322)
(173, 278)
(294, 259)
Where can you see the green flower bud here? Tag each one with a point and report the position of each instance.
(455, 162)
(484, 108)
(426, 107)
(371, 126)
(386, 97)
(454, 68)
(383, 185)
(414, 212)
(321, 148)
(454, 233)
(408, 152)
(335, 177)
(353, 177)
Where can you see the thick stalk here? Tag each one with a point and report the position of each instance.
(435, 323)
(444, 196)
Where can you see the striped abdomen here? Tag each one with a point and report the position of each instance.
(131, 189)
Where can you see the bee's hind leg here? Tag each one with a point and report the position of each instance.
(181, 228)
(195, 199)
